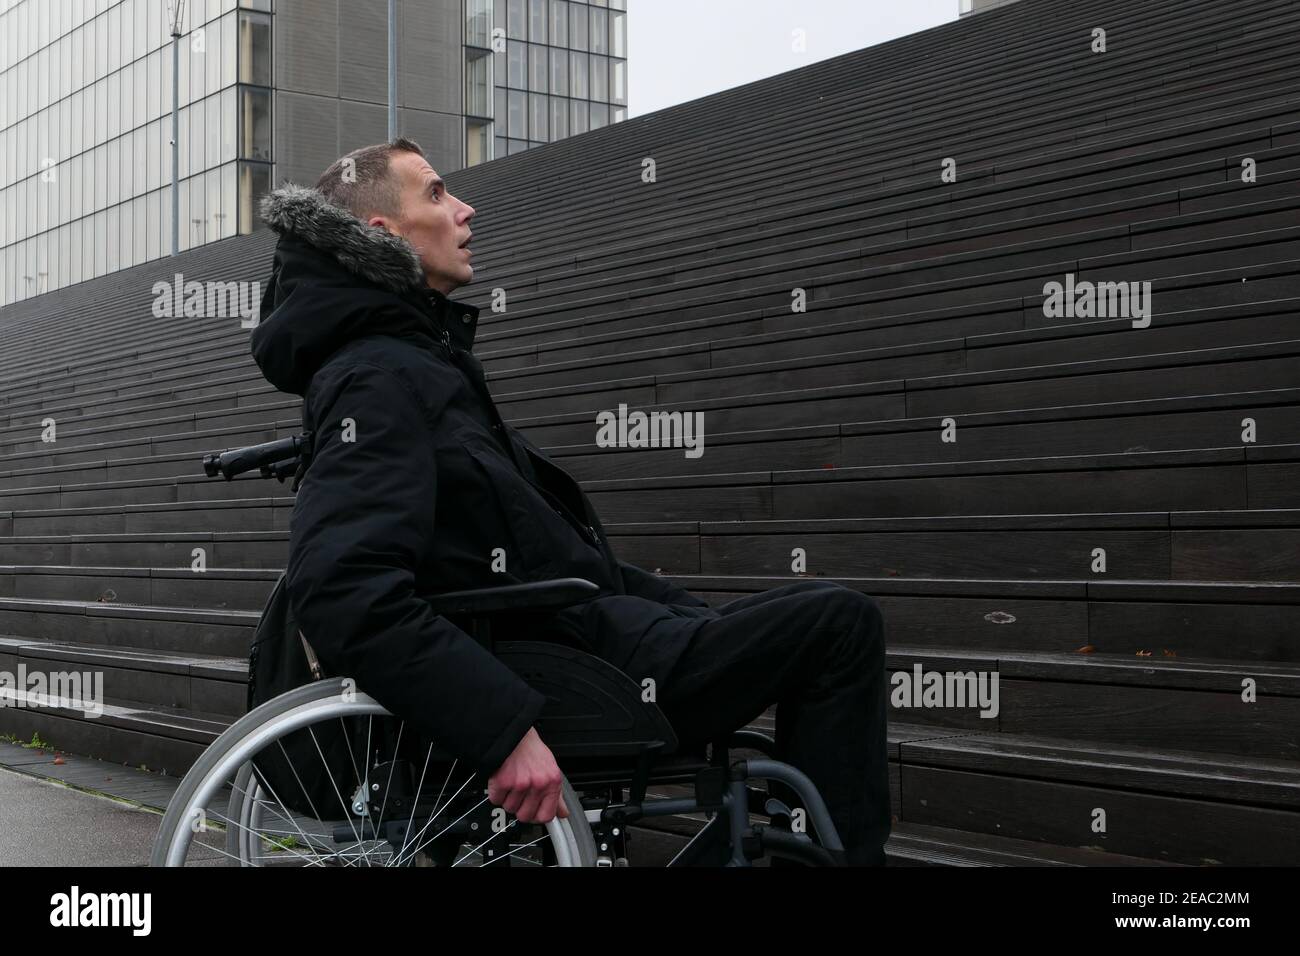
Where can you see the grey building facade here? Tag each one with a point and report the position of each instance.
(965, 7)
(269, 90)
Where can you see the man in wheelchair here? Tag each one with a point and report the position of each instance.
(416, 486)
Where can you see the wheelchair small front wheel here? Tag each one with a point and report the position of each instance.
(319, 777)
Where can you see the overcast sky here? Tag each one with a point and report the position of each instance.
(680, 50)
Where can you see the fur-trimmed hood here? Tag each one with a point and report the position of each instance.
(367, 251)
(335, 278)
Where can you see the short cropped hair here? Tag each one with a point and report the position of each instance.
(363, 182)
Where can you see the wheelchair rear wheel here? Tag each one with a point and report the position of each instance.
(371, 803)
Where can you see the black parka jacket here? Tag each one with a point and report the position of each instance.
(416, 486)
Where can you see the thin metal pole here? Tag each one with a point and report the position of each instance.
(176, 138)
(392, 69)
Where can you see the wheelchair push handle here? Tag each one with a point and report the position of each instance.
(277, 459)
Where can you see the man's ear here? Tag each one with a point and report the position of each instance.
(384, 223)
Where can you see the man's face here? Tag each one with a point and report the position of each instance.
(433, 221)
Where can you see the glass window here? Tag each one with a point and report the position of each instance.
(518, 120)
(56, 77)
(196, 57)
(599, 115)
(115, 103)
(113, 178)
(254, 48)
(578, 74)
(229, 202)
(65, 197)
(560, 72)
(254, 183)
(618, 81)
(477, 138)
(140, 185)
(538, 117)
(578, 26)
(478, 22)
(153, 70)
(144, 40)
(101, 243)
(101, 178)
(113, 230)
(229, 125)
(577, 117)
(152, 154)
(255, 124)
(620, 114)
(193, 119)
(213, 212)
(158, 28)
(75, 129)
(101, 111)
(212, 59)
(76, 180)
(155, 225)
(518, 146)
(183, 219)
(618, 33)
(136, 101)
(65, 255)
(139, 228)
(537, 72)
(537, 21)
(75, 48)
(559, 23)
(128, 31)
(499, 113)
(111, 26)
(230, 44)
(559, 118)
(517, 56)
(478, 82)
(599, 30)
(516, 20)
(212, 132)
(499, 146)
(600, 78)
(126, 167)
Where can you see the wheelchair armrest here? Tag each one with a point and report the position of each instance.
(531, 595)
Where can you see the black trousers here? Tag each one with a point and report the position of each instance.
(816, 650)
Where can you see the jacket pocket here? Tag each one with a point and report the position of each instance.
(530, 550)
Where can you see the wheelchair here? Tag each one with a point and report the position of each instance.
(385, 796)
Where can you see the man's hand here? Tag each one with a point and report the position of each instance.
(528, 783)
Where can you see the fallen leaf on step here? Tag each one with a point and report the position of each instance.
(1168, 653)
(1143, 653)
(1086, 649)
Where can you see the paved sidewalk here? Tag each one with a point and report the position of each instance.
(48, 823)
